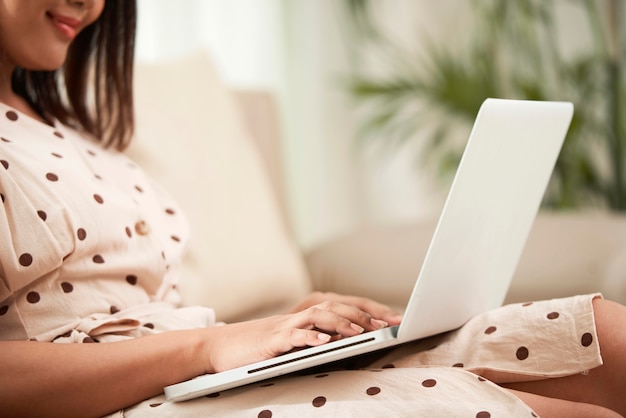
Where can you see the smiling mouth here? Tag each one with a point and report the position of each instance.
(66, 26)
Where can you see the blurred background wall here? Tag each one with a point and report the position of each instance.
(307, 52)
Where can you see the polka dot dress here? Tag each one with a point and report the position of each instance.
(104, 267)
(108, 240)
(423, 392)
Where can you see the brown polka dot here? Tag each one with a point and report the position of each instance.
(139, 189)
(374, 390)
(170, 211)
(11, 115)
(26, 260)
(175, 238)
(67, 287)
(91, 152)
(42, 215)
(97, 176)
(212, 395)
(389, 366)
(3, 139)
(98, 198)
(149, 325)
(4, 309)
(81, 234)
(58, 134)
(114, 309)
(586, 339)
(483, 414)
(5, 164)
(66, 334)
(33, 297)
(458, 365)
(266, 413)
(553, 315)
(131, 279)
(490, 330)
(521, 353)
(129, 233)
(319, 401)
(52, 177)
(154, 405)
(527, 304)
(429, 383)
(98, 259)
(55, 154)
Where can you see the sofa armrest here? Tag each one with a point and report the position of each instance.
(566, 254)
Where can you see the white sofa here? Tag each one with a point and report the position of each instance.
(218, 152)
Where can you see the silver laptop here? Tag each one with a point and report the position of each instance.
(475, 248)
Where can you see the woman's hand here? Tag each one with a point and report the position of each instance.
(373, 308)
(320, 318)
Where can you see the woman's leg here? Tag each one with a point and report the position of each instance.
(551, 407)
(603, 385)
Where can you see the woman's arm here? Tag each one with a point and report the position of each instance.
(48, 379)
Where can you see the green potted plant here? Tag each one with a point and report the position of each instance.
(513, 53)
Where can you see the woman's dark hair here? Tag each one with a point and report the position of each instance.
(93, 91)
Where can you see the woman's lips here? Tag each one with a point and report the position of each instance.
(67, 26)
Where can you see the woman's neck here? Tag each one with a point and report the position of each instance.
(10, 98)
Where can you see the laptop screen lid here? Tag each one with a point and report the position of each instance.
(489, 211)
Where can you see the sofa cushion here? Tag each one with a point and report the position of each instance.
(567, 253)
(190, 138)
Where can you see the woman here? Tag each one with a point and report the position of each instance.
(90, 249)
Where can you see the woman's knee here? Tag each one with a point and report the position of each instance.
(611, 328)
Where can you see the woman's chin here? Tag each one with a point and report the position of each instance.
(47, 62)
